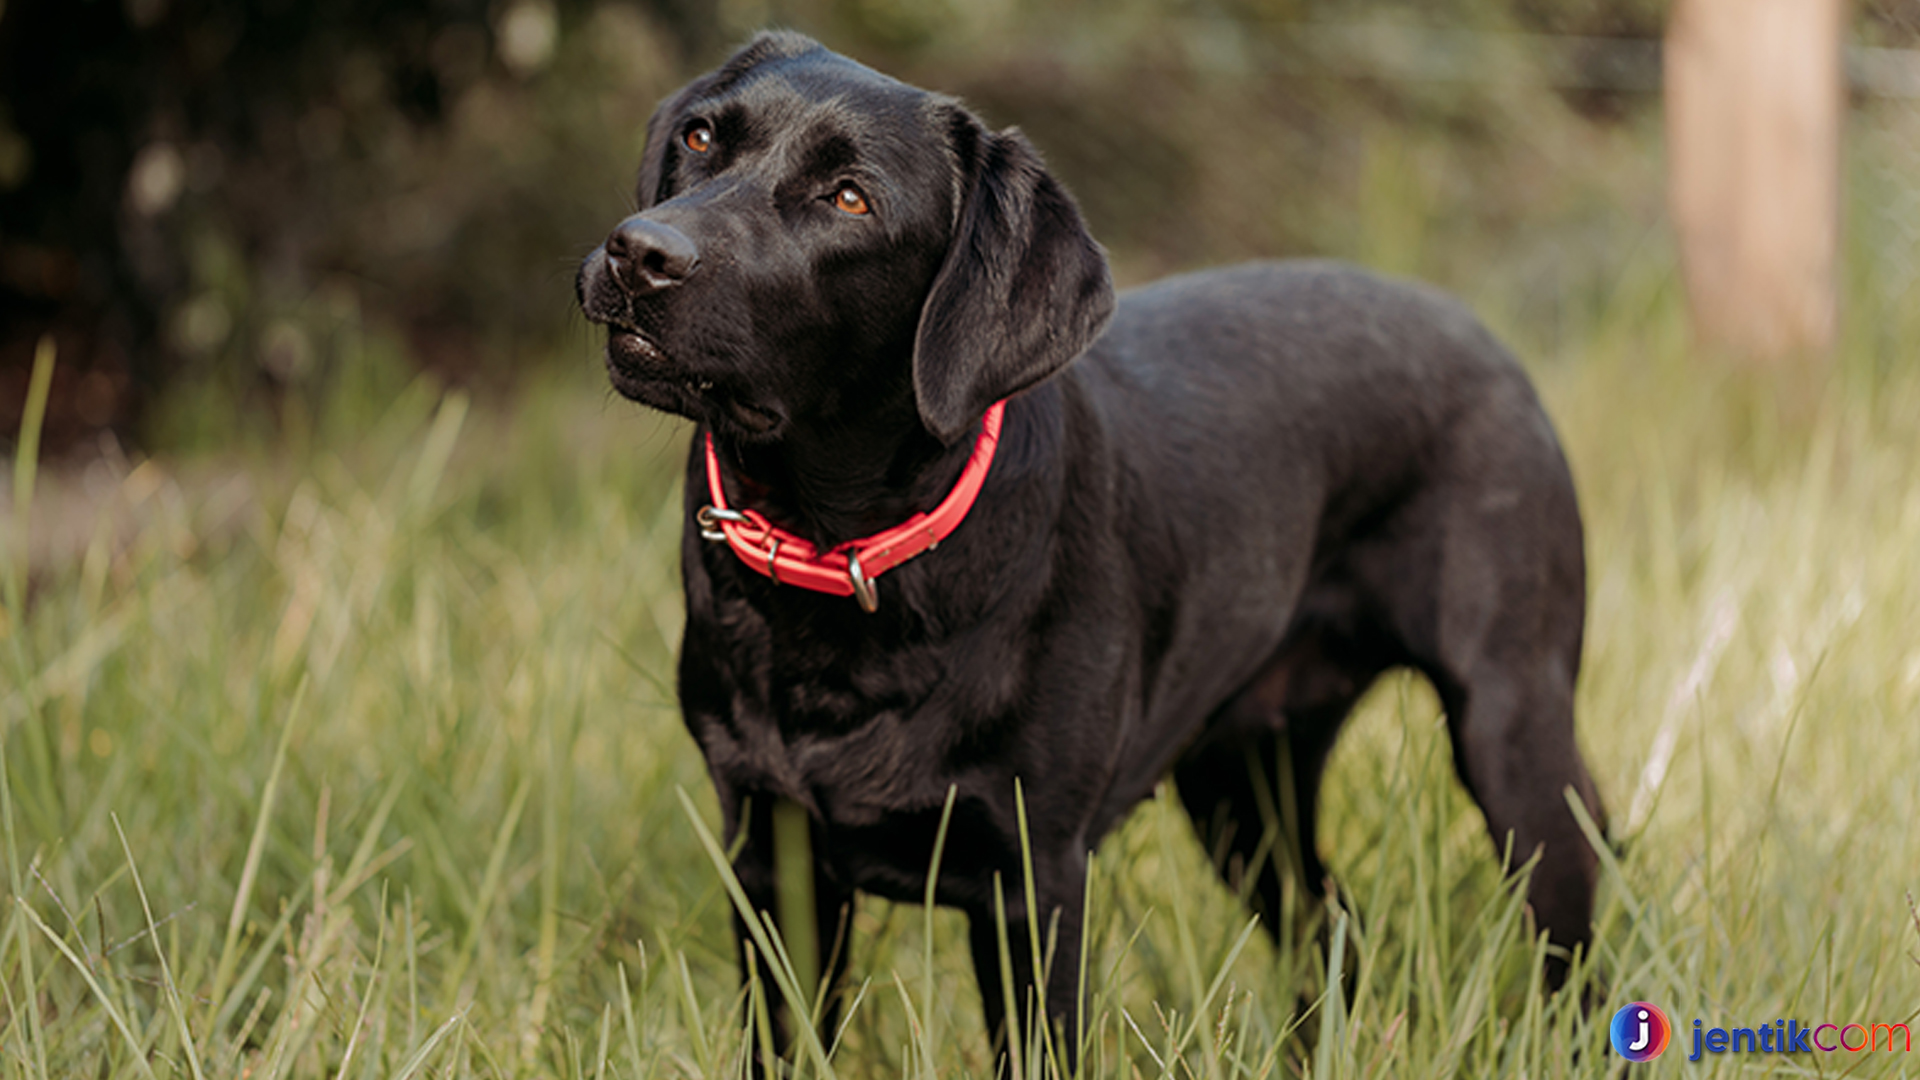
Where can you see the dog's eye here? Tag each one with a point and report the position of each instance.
(698, 139)
(849, 199)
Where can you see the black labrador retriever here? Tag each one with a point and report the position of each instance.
(956, 517)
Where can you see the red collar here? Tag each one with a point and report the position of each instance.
(849, 568)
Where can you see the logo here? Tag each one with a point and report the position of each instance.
(1640, 1031)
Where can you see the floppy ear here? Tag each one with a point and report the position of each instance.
(1024, 288)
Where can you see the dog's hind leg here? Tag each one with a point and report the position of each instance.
(1251, 804)
(1253, 788)
(1511, 724)
(1488, 594)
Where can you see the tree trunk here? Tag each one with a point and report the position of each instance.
(1754, 100)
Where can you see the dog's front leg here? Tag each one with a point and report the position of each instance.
(1060, 893)
(753, 868)
(754, 865)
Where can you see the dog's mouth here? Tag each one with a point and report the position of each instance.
(633, 358)
(641, 371)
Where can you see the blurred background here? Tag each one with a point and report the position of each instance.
(242, 219)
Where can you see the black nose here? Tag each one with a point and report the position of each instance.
(648, 256)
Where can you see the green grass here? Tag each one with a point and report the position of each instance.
(379, 774)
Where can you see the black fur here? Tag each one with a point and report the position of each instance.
(1254, 490)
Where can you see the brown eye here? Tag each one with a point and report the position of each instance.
(850, 200)
(698, 139)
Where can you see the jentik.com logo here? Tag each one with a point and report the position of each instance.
(1640, 1031)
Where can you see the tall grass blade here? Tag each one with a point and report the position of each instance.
(419, 1059)
(366, 996)
(167, 984)
(696, 1024)
(256, 849)
(1011, 1026)
(1035, 916)
(114, 1016)
(434, 454)
(16, 927)
(26, 465)
(793, 874)
(763, 936)
(1328, 1055)
(927, 1031)
(489, 888)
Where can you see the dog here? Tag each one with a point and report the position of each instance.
(957, 517)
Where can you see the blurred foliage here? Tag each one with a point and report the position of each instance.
(1890, 23)
(229, 197)
(223, 207)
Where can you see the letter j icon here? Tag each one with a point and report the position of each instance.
(1640, 1031)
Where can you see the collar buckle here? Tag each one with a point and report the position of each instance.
(863, 586)
(710, 517)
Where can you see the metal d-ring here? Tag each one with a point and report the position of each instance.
(773, 551)
(863, 590)
(710, 517)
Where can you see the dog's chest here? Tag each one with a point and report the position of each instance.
(852, 733)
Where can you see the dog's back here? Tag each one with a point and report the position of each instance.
(1285, 369)
(1311, 403)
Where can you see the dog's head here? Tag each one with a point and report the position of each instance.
(820, 243)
